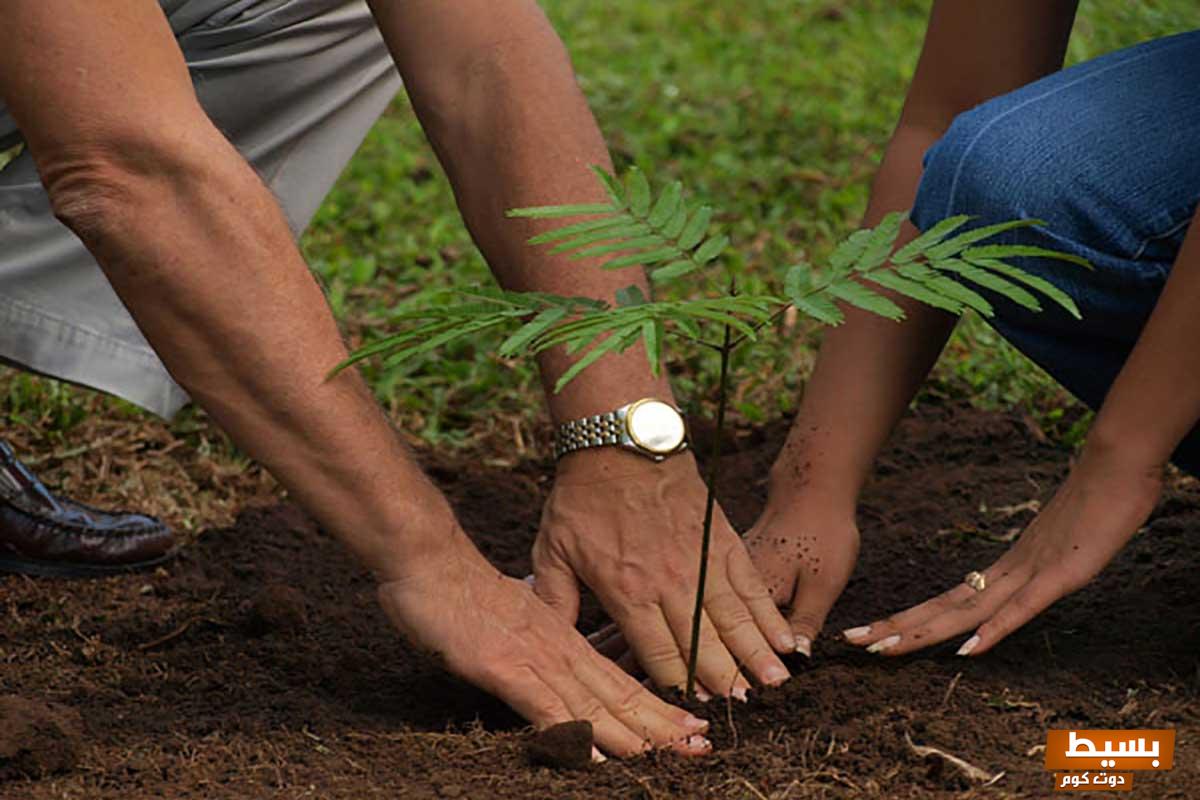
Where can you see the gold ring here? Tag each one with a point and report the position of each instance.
(976, 580)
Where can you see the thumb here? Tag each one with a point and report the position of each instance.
(810, 606)
(555, 583)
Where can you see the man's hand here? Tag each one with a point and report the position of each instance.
(632, 533)
(494, 632)
(1103, 502)
(805, 552)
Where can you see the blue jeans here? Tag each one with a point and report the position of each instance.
(1108, 154)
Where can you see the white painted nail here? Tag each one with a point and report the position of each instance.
(854, 634)
(884, 644)
(598, 757)
(804, 645)
(739, 692)
(968, 646)
(702, 695)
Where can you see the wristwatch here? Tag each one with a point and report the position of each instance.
(648, 427)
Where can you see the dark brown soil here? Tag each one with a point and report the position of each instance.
(257, 665)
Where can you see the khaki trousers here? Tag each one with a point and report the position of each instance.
(294, 84)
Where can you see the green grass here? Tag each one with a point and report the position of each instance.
(774, 110)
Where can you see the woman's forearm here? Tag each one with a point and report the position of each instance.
(868, 369)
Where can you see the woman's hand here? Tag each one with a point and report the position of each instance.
(493, 631)
(805, 553)
(1106, 498)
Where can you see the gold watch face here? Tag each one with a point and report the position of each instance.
(655, 426)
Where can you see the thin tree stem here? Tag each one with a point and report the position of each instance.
(714, 474)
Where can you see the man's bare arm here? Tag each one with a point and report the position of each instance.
(199, 251)
(495, 90)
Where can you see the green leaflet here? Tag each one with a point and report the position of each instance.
(854, 293)
(909, 288)
(652, 335)
(929, 238)
(674, 227)
(878, 246)
(653, 240)
(996, 283)
(676, 269)
(696, 228)
(797, 281)
(623, 232)
(847, 254)
(611, 185)
(646, 257)
(620, 340)
(558, 212)
(630, 296)
(820, 308)
(637, 189)
(711, 249)
(531, 330)
(969, 298)
(955, 245)
(1021, 251)
(444, 338)
(1033, 281)
(587, 226)
(667, 205)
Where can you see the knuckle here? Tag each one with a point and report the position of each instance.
(807, 620)
(628, 705)
(546, 708)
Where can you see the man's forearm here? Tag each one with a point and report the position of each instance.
(498, 99)
(232, 310)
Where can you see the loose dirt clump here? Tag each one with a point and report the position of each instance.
(36, 738)
(183, 700)
(567, 745)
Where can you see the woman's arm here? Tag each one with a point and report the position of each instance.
(1109, 494)
(869, 368)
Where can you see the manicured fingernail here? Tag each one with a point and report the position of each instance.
(739, 692)
(598, 757)
(786, 642)
(698, 744)
(968, 646)
(884, 644)
(775, 675)
(854, 634)
(695, 723)
(702, 695)
(804, 645)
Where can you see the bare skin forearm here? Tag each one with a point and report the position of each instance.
(231, 308)
(200, 253)
(513, 129)
(870, 368)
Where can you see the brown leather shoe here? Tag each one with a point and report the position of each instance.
(41, 534)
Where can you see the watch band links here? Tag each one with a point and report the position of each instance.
(594, 431)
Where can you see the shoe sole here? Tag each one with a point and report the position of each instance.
(64, 569)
